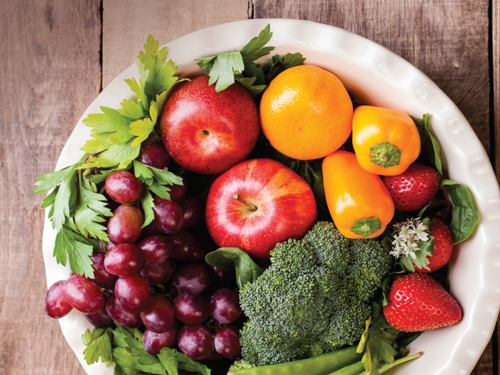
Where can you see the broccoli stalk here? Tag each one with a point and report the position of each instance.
(313, 299)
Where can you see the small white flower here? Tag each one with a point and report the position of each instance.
(407, 234)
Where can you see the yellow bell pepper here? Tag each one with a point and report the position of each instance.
(358, 201)
(386, 141)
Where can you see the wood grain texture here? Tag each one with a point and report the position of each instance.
(495, 58)
(447, 40)
(127, 23)
(50, 72)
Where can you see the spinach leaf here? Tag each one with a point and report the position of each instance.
(429, 142)
(465, 215)
(235, 259)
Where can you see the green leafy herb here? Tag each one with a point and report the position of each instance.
(378, 342)
(89, 211)
(154, 180)
(465, 217)
(173, 361)
(98, 345)
(429, 142)
(235, 259)
(64, 195)
(279, 64)
(223, 67)
(71, 244)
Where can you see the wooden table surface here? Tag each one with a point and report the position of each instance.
(57, 55)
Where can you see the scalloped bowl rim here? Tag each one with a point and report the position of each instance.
(374, 75)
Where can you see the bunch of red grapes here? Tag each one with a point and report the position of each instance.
(156, 276)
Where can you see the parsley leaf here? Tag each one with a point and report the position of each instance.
(283, 63)
(377, 341)
(144, 127)
(225, 66)
(89, 211)
(63, 198)
(98, 345)
(119, 156)
(255, 49)
(71, 244)
(138, 359)
(154, 181)
(109, 127)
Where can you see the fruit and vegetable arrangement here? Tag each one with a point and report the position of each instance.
(254, 220)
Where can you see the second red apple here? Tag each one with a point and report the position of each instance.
(257, 204)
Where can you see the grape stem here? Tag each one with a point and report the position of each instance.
(249, 205)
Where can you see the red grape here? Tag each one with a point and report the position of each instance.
(124, 259)
(132, 293)
(100, 319)
(183, 245)
(154, 342)
(158, 316)
(156, 249)
(156, 274)
(101, 276)
(225, 306)
(178, 192)
(154, 154)
(56, 305)
(196, 342)
(150, 230)
(193, 210)
(191, 308)
(203, 243)
(125, 225)
(222, 277)
(83, 294)
(227, 342)
(123, 187)
(122, 317)
(169, 217)
(192, 278)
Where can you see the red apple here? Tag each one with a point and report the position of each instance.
(206, 131)
(257, 204)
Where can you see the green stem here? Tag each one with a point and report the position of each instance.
(400, 361)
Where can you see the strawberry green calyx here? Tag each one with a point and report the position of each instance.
(365, 227)
(385, 155)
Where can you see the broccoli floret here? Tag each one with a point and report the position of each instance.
(314, 298)
(240, 365)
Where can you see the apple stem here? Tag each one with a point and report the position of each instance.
(249, 205)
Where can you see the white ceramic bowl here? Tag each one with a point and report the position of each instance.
(375, 76)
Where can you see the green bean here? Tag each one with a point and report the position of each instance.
(320, 365)
(353, 369)
(400, 361)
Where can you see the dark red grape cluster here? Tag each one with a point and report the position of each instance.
(156, 276)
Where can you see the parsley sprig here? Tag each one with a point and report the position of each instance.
(229, 67)
(78, 209)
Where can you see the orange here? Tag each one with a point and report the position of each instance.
(306, 113)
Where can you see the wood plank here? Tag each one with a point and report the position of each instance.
(50, 73)
(495, 43)
(126, 25)
(447, 40)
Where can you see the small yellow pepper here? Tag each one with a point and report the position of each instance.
(358, 201)
(386, 141)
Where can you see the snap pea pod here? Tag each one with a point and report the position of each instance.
(400, 361)
(320, 365)
(353, 369)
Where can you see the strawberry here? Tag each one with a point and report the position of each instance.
(417, 303)
(414, 188)
(443, 246)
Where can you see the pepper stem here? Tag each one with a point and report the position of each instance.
(249, 205)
